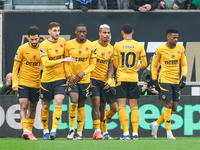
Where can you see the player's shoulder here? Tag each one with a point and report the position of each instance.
(162, 46)
(23, 46)
(45, 42)
(110, 46)
(180, 46)
(71, 41)
(61, 39)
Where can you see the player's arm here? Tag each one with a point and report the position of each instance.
(16, 65)
(110, 74)
(67, 65)
(143, 58)
(184, 67)
(156, 59)
(115, 59)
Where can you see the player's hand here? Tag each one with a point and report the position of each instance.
(72, 82)
(147, 6)
(15, 89)
(182, 82)
(68, 59)
(142, 9)
(79, 76)
(107, 86)
(162, 4)
(175, 6)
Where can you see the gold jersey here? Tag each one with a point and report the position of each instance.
(51, 54)
(27, 58)
(126, 56)
(170, 60)
(85, 55)
(104, 55)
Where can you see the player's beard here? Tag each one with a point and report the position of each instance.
(34, 44)
(55, 38)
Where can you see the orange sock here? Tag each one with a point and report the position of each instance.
(109, 115)
(161, 118)
(30, 124)
(104, 124)
(96, 124)
(167, 118)
(24, 123)
(56, 116)
(72, 114)
(135, 119)
(81, 118)
(45, 117)
(123, 118)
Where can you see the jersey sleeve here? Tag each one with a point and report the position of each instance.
(115, 57)
(143, 58)
(92, 62)
(67, 66)
(44, 57)
(183, 60)
(17, 61)
(156, 59)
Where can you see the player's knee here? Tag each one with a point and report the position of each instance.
(24, 106)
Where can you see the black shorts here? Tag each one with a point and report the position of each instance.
(81, 89)
(27, 92)
(128, 90)
(105, 95)
(169, 92)
(50, 89)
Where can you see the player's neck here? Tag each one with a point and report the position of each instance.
(32, 46)
(52, 39)
(128, 37)
(103, 43)
(79, 41)
(170, 45)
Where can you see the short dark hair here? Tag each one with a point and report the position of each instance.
(33, 30)
(127, 28)
(170, 31)
(53, 24)
(80, 25)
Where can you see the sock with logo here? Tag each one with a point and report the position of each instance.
(24, 123)
(81, 119)
(135, 119)
(161, 118)
(123, 118)
(109, 115)
(72, 113)
(96, 124)
(104, 124)
(56, 116)
(30, 124)
(45, 117)
(167, 118)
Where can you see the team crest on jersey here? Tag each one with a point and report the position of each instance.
(173, 56)
(86, 48)
(56, 51)
(179, 52)
(79, 52)
(108, 52)
(61, 45)
(163, 97)
(16, 55)
(95, 51)
(41, 51)
(34, 56)
(102, 54)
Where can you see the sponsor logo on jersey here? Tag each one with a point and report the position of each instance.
(27, 53)
(33, 63)
(56, 57)
(173, 62)
(101, 61)
(128, 47)
(82, 59)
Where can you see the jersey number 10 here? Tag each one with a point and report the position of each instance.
(126, 57)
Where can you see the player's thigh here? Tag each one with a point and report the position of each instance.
(59, 87)
(95, 90)
(122, 90)
(133, 90)
(34, 95)
(166, 91)
(84, 91)
(176, 93)
(46, 91)
(109, 96)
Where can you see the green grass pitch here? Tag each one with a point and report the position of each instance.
(145, 143)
